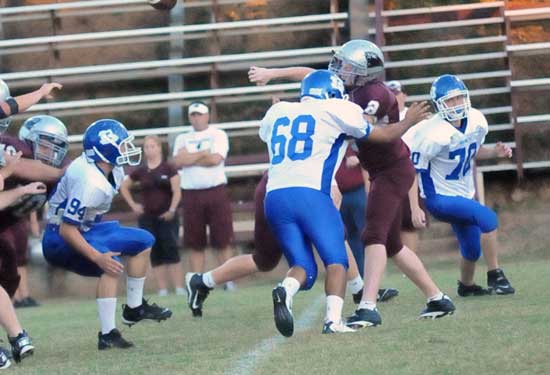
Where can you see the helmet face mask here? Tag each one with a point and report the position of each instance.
(49, 139)
(451, 98)
(357, 62)
(108, 141)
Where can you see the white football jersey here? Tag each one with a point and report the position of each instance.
(444, 155)
(305, 140)
(83, 194)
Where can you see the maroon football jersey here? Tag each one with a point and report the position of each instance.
(12, 145)
(378, 101)
(156, 190)
(349, 179)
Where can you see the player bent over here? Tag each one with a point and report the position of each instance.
(443, 151)
(76, 239)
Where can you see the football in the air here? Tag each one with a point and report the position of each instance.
(163, 4)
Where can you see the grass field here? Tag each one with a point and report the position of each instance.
(487, 335)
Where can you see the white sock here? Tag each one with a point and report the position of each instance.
(355, 285)
(208, 279)
(106, 308)
(291, 286)
(134, 291)
(180, 291)
(334, 309)
(163, 292)
(367, 305)
(436, 297)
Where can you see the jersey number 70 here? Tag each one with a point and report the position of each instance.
(279, 147)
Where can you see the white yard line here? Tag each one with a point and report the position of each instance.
(247, 363)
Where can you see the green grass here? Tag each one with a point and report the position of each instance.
(487, 335)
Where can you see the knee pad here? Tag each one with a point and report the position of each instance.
(10, 284)
(311, 276)
(471, 253)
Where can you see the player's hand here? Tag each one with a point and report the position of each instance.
(352, 161)
(137, 208)
(418, 112)
(167, 216)
(11, 160)
(47, 88)
(34, 188)
(259, 76)
(111, 266)
(503, 151)
(418, 217)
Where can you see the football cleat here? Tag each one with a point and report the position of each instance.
(438, 308)
(498, 283)
(112, 339)
(383, 295)
(282, 311)
(471, 290)
(364, 318)
(21, 346)
(4, 359)
(26, 302)
(331, 327)
(131, 316)
(197, 292)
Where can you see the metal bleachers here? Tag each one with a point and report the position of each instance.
(387, 23)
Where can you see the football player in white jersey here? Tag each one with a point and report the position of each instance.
(443, 150)
(76, 239)
(305, 148)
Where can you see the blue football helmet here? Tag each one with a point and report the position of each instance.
(108, 141)
(322, 84)
(446, 87)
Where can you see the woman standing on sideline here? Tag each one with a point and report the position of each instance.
(161, 194)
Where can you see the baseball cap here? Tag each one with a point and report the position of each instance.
(394, 86)
(198, 107)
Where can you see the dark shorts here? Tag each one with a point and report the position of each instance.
(207, 207)
(267, 252)
(104, 237)
(9, 277)
(388, 191)
(406, 221)
(165, 249)
(17, 237)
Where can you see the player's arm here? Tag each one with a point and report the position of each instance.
(261, 76)
(35, 170)
(71, 234)
(127, 195)
(10, 163)
(23, 102)
(9, 196)
(416, 113)
(500, 150)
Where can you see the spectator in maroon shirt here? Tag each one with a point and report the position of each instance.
(161, 194)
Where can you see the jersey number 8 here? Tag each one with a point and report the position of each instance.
(279, 141)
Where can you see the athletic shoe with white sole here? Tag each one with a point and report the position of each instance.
(498, 283)
(331, 327)
(438, 308)
(21, 346)
(364, 318)
(282, 311)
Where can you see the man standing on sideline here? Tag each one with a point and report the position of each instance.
(200, 156)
